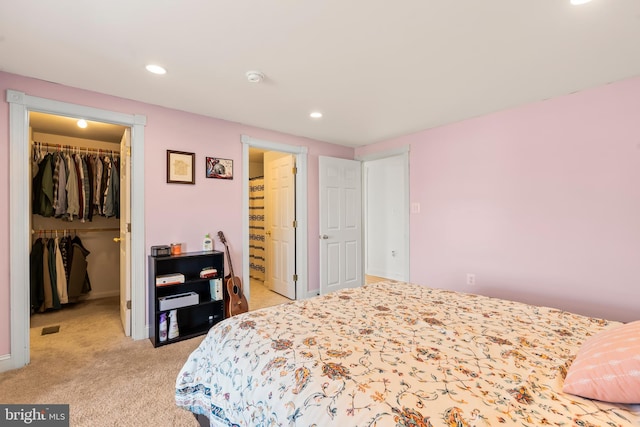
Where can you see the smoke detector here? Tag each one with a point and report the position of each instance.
(255, 76)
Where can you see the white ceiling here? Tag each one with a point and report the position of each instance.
(377, 69)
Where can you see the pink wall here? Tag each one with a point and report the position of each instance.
(173, 212)
(541, 203)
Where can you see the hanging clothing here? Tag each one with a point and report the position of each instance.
(97, 207)
(65, 251)
(53, 277)
(42, 196)
(60, 197)
(112, 196)
(61, 279)
(79, 282)
(76, 186)
(73, 198)
(78, 169)
(88, 172)
(58, 272)
(67, 186)
(36, 277)
(46, 282)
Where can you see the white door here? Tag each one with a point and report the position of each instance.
(340, 224)
(125, 232)
(280, 232)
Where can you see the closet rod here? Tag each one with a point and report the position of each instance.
(77, 149)
(75, 230)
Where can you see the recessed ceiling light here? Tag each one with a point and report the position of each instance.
(579, 2)
(254, 76)
(155, 69)
(315, 115)
(82, 123)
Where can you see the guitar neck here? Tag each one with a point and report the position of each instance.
(232, 276)
(229, 260)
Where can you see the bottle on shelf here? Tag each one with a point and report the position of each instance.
(163, 327)
(173, 324)
(207, 243)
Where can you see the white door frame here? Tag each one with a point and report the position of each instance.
(20, 105)
(124, 248)
(302, 287)
(404, 152)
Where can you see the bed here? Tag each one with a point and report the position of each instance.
(395, 354)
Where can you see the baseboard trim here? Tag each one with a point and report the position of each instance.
(7, 363)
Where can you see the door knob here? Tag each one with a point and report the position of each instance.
(324, 237)
(116, 239)
(268, 233)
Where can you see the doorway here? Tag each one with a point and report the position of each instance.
(271, 227)
(82, 232)
(299, 254)
(20, 105)
(386, 215)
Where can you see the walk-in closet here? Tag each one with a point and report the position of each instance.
(75, 226)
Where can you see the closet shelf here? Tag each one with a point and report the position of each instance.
(76, 230)
(77, 149)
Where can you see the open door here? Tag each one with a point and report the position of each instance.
(125, 232)
(280, 216)
(340, 224)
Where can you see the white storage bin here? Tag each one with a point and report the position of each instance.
(178, 300)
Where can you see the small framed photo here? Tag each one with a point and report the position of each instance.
(219, 168)
(181, 167)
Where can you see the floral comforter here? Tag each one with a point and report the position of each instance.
(394, 354)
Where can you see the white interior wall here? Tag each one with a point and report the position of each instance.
(384, 230)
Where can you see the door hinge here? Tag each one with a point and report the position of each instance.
(295, 223)
(129, 305)
(294, 170)
(128, 227)
(295, 277)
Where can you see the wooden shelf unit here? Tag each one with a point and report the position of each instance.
(193, 320)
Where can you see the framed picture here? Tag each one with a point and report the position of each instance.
(181, 167)
(219, 168)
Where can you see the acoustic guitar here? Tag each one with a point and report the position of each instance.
(236, 303)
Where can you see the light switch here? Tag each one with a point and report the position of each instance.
(415, 207)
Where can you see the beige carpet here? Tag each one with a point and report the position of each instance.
(105, 377)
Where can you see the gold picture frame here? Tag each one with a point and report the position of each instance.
(181, 167)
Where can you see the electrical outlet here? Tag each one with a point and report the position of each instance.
(471, 279)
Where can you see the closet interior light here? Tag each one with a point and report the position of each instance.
(82, 123)
(315, 115)
(155, 69)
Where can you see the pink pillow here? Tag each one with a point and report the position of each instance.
(607, 366)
